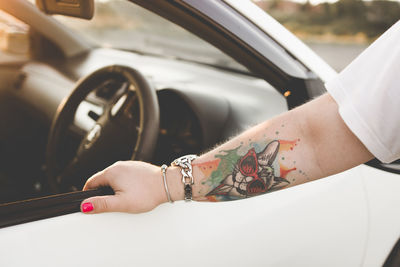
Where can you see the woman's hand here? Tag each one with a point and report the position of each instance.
(138, 187)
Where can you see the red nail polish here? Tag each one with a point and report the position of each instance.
(86, 207)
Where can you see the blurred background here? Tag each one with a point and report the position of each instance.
(337, 30)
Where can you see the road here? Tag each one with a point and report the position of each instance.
(337, 55)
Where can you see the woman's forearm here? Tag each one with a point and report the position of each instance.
(304, 144)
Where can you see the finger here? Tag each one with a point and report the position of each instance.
(97, 180)
(102, 204)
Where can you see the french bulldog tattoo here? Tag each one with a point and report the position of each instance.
(252, 175)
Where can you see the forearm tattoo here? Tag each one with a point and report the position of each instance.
(248, 171)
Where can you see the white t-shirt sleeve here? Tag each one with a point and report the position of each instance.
(368, 94)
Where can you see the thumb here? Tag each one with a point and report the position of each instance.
(101, 204)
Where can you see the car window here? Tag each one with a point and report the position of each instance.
(123, 25)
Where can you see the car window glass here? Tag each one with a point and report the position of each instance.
(123, 25)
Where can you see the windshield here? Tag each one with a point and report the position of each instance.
(122, 25)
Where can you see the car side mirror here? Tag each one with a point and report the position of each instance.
(83, 9)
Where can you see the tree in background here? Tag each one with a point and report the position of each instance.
(342, 18)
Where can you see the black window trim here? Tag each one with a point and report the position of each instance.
(46, 207)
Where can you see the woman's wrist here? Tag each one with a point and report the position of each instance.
(176, 186)
(174, 182)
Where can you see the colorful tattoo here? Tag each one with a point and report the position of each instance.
(234, 175)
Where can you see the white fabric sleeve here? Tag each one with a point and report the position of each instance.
(368, 94)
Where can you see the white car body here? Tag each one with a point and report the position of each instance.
(348, 219)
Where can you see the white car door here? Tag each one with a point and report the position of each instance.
(322, 223)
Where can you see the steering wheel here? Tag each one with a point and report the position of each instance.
(126, 129)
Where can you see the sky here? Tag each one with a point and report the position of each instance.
(329, 1)
(314, 2)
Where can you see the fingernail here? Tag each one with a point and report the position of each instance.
(86, 207)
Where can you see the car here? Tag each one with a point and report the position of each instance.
(153, 80)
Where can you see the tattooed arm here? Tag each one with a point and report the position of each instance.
(307, 143)
(301, 145)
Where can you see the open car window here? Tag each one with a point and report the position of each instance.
(24, 137)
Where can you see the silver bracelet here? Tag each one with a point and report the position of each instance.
(163, 172)
(185, 163)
